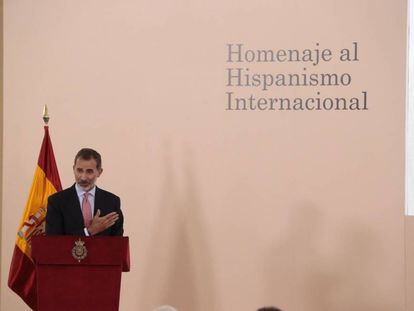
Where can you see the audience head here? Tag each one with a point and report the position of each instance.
(269, 309)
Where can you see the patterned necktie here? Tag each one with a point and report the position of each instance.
(86, 210)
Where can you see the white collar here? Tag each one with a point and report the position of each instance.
(81, 192)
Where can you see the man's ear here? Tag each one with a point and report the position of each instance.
(100, 171)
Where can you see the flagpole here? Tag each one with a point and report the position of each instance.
(45, 115)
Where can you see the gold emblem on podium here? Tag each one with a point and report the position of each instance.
(79, 251)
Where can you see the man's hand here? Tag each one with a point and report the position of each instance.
(99, 224)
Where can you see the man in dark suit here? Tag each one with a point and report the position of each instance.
(69, 212)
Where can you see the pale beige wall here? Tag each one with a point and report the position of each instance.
(225, 210)
(1, 136)
(409, 233)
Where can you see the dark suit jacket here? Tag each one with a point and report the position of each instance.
(64, 214)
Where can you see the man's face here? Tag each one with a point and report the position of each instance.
(86, 173)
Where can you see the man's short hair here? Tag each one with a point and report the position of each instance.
(87, 154)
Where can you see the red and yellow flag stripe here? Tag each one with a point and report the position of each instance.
(46, 181)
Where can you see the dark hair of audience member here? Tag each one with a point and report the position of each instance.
(269, 309)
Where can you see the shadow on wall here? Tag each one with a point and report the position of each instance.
(178, 270)
(303, 273)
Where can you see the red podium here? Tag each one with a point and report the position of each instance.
(79, 273)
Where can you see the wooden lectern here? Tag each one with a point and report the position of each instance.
(79, 273)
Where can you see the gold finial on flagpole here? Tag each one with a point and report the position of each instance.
(45, 115)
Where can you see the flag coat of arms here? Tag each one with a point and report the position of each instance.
(46, 181)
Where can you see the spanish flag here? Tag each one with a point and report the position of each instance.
(46, 181)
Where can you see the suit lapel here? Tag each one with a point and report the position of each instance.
(76, 209)
(100, 204)
(98, 201)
